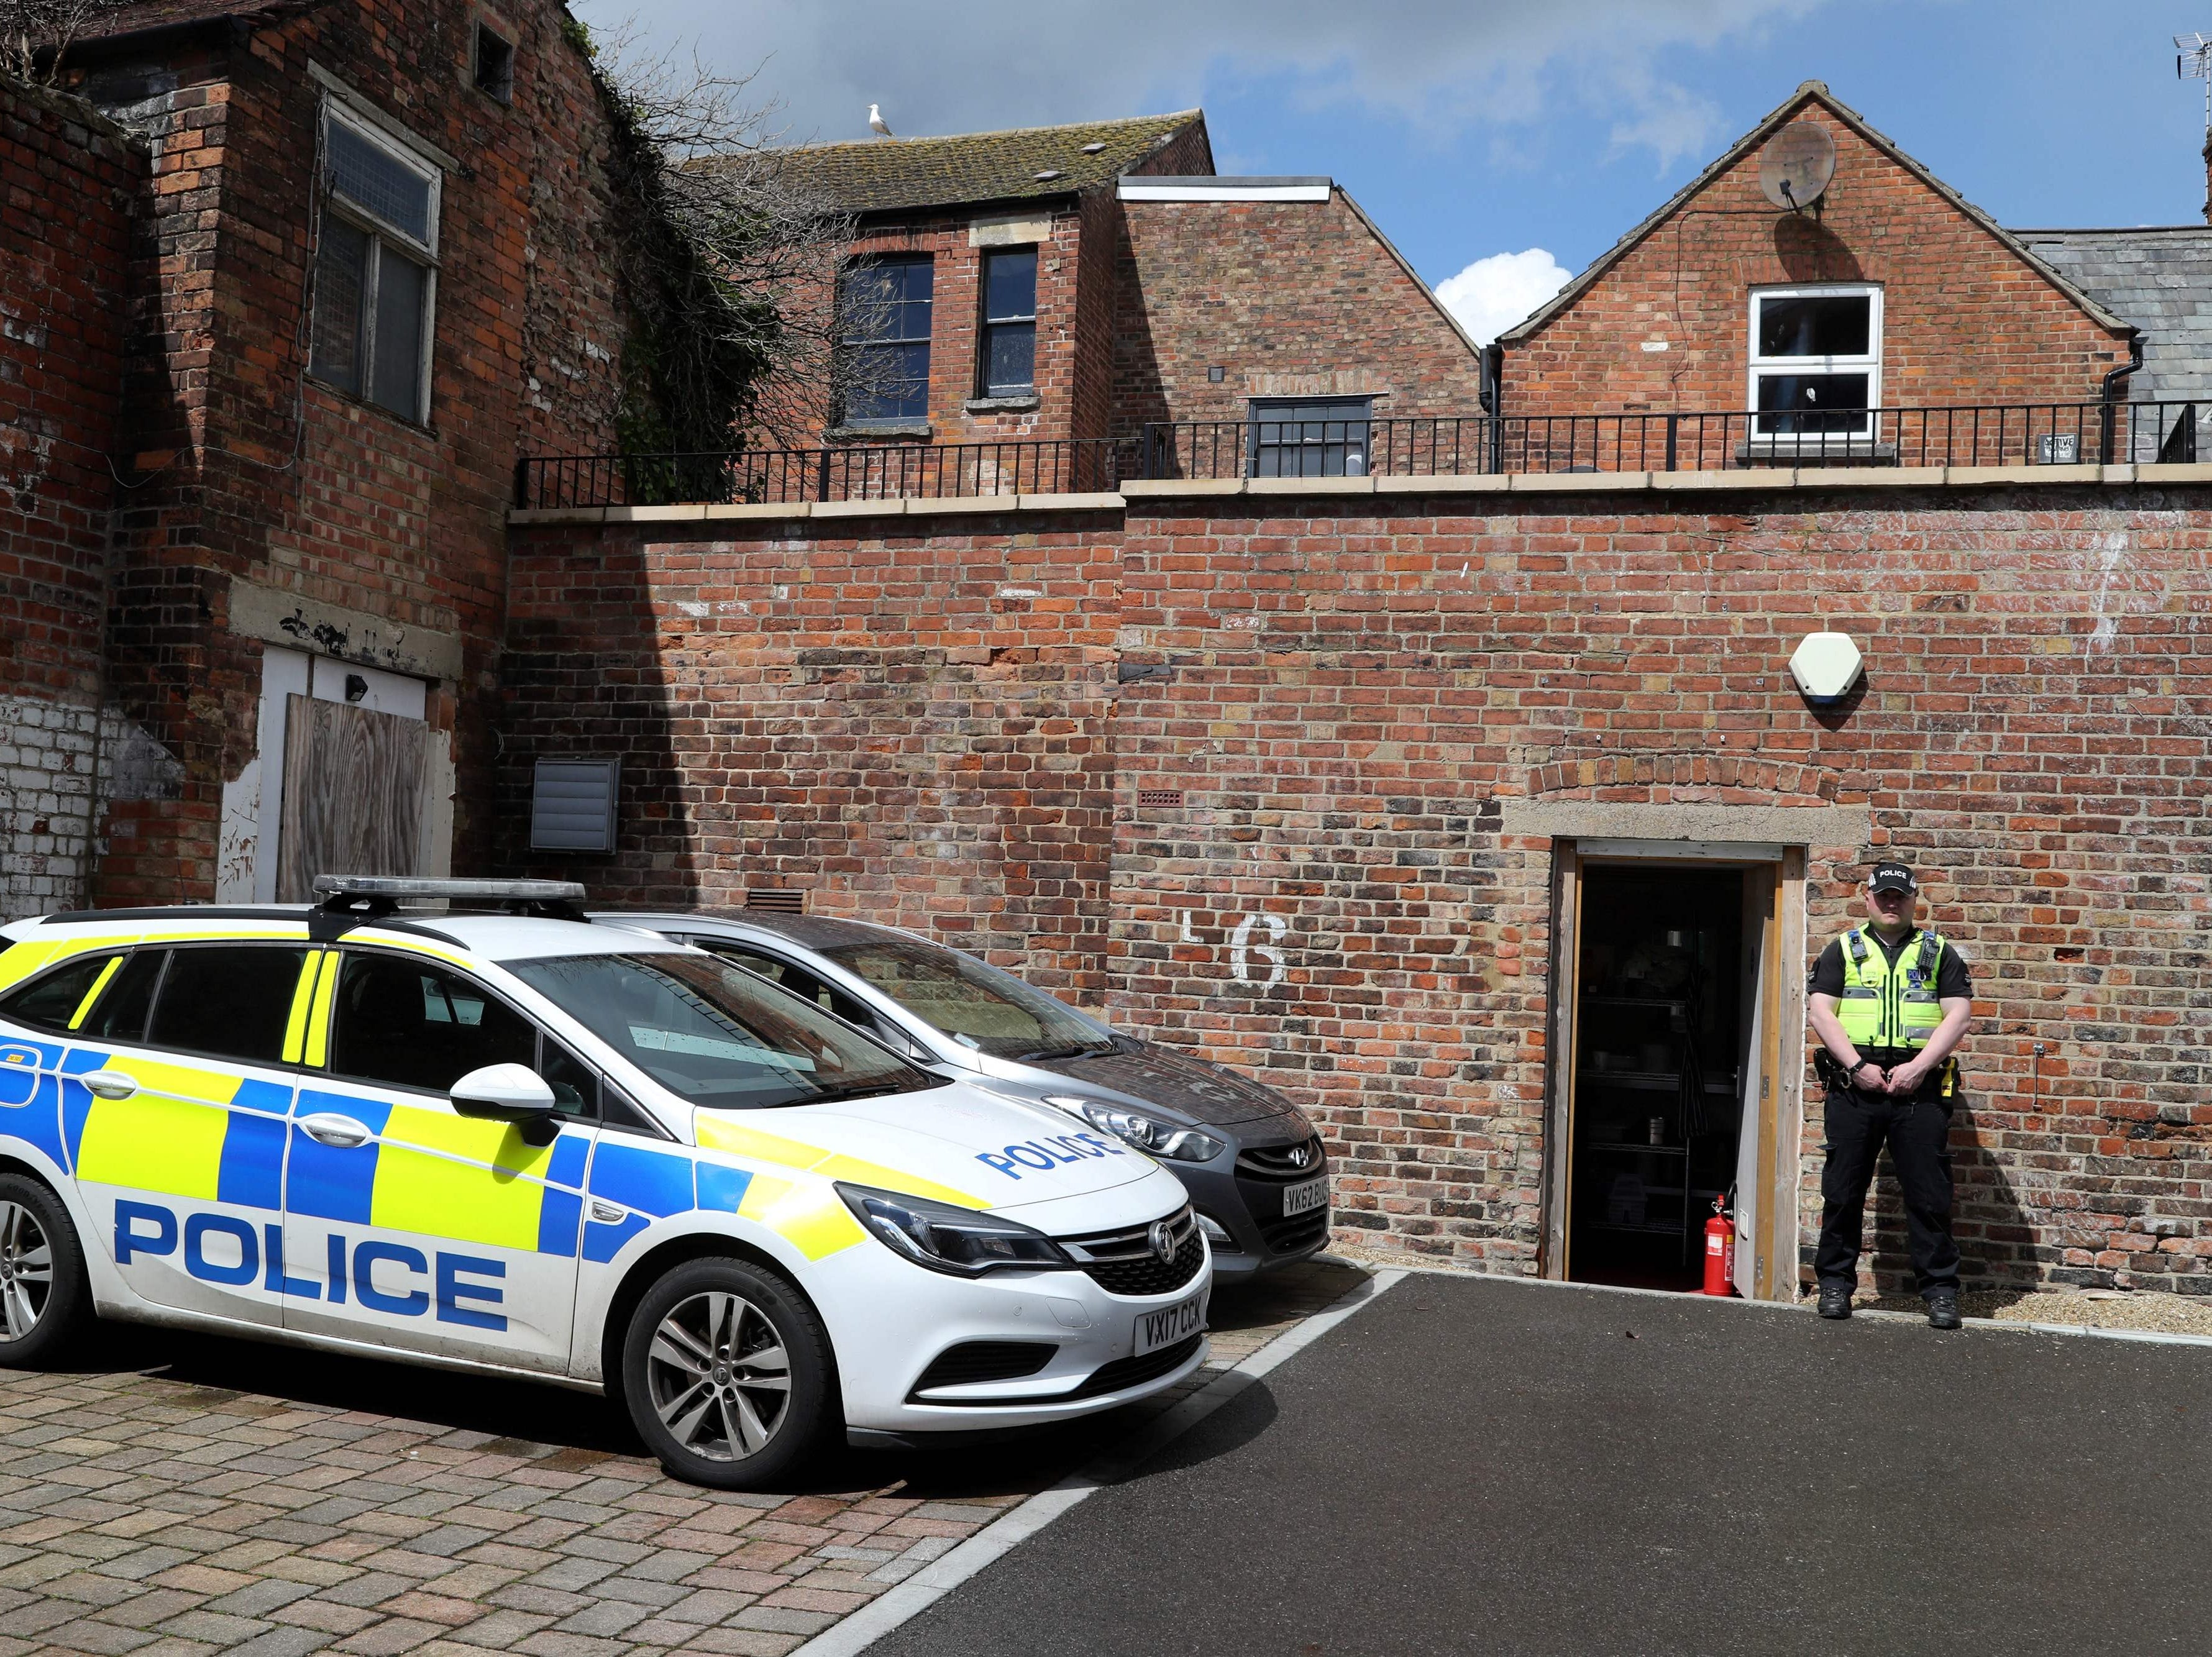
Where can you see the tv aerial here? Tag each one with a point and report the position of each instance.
(1797, 164)
(2193, 62)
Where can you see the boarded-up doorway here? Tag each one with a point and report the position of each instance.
(353, 794)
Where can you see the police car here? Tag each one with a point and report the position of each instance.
(517, 1141)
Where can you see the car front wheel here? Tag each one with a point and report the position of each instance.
(44, 1299)
(726, 1372)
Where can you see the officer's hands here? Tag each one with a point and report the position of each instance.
(1906, 1077)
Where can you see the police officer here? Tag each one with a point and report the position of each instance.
(1890, 1002)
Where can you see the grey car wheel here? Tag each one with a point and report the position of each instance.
(44, 1300)
(726, 1371)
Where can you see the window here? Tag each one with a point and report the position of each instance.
(712, 1033)
(1009, 356)
(796, 980)
(885, 309)
(977, 1005)
(494, 64)
(1815, 361)
(418, 1026)
(375, 274)
(233, 1001)
(1309, 437)
(61, 999)
(119, 1015)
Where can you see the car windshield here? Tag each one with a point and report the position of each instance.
(716, 1033)
(976, 1005)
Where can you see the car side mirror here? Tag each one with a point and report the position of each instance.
(509, 1093)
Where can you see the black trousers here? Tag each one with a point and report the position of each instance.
(1918, 1134)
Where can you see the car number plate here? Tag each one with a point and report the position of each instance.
(1178, 1322)
(1304, 1199)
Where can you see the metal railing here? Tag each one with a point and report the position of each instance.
(2013, 435)
(845, 472)
(2009, 434)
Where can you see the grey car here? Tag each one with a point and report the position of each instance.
(1252, 1163)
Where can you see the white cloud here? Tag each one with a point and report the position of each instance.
(1491, 294)
(1440, 66)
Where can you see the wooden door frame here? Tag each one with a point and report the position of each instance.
(1782, 1038)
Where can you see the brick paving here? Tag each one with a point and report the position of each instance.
(167, 1496)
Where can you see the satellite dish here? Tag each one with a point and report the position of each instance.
(1797, 164)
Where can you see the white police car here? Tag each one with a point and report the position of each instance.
(520, 1142)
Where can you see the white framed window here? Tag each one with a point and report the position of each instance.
(376, 271)
(1815, 359)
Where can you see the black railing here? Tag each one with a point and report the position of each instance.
(847, 472)
(2013, 434)
(2018, 435)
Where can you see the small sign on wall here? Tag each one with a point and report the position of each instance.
(572, 805)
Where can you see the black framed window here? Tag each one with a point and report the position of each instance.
(59, 1000)
(231, 1000)
(375, 271)
(1009, 354)
(885, 307)
(1310, 437)
(414, 1025)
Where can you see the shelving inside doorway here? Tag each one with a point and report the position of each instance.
(1658, 1106)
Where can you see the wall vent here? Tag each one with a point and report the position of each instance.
(777, 901)
(1167, 797)
(572, 805)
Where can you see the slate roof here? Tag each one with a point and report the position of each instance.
(2159, 278)
(116, 23)
(889, 174)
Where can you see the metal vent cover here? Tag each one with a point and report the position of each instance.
(572, 805)
(777, 900)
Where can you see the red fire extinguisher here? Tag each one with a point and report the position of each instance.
(1720, 1251)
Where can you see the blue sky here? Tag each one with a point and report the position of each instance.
(1472, 129)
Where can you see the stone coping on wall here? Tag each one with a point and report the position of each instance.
(1763, 479)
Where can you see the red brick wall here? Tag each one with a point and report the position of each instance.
(253, 470)
(68, 179)
(1291, 299)
(1347, 696)
(1966, 320)
(911, 728)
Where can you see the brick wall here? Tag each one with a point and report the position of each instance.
(1290, 298)
(240, 468)
(68, 178)
(1349, 694)
(1965, 318)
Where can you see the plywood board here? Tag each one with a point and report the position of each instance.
(353, 794)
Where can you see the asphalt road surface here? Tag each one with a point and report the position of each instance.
(1471, 1466)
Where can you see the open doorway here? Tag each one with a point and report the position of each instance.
(1667, 1081)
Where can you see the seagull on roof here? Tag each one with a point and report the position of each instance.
(877, 123)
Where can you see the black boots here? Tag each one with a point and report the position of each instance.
(1836, 1300)
(1943, 1309)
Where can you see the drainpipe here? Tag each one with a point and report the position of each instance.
(2112, 390)
(1491, 390)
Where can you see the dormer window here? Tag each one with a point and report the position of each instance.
(1815, 359)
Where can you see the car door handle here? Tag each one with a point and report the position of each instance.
(111, 1083)
(340, 1131)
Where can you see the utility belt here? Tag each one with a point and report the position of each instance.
(1940, 1084)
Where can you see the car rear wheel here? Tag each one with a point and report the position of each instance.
(726, 1371)
(44, 1300)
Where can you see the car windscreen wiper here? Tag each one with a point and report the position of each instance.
(866, 1090)
(1063, 1050)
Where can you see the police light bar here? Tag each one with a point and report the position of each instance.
(501, 891)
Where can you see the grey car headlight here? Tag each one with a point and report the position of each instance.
(943, 1238)
(1153, 1135)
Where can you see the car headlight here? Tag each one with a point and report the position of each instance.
(948, 1239)
(1153, 1135)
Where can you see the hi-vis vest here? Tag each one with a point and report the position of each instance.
(1891, 1006)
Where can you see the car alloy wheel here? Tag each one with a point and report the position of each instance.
(27, 1272)
(727, 1373)
(719, 1377)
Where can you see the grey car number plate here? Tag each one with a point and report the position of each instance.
(1304, 1199)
